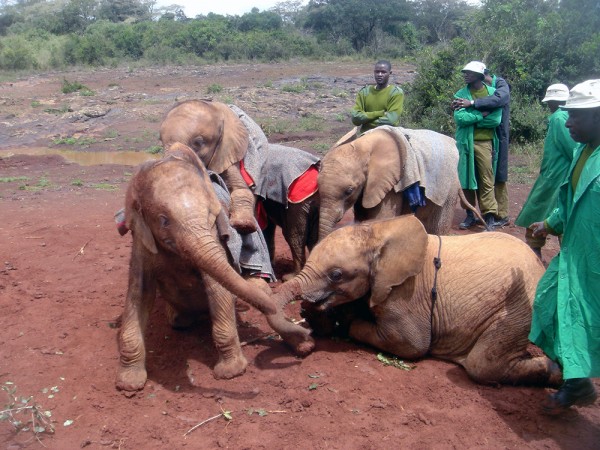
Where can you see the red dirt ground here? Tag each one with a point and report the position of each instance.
(63, 280)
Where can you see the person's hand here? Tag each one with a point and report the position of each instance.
(538, 229)
(485, 113)
(459, 103)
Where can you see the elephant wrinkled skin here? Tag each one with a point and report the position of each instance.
(179, 228)
(485, 289)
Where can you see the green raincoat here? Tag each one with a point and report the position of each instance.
(558, 155)
(466, 119)
(566, 311)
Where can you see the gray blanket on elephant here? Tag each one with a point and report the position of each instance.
(273, 167)
(432, 161)
(249, 251)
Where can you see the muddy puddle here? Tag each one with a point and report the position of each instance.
(126, 158)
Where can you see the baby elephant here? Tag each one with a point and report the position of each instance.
(182, 248)
(479, 317)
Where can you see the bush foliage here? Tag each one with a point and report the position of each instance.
(531, 43)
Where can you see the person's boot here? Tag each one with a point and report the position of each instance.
(490, 221)
(469, 221)
(573, 392)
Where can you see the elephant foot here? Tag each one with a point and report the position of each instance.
(241, 211)
(301, 343)
(131, 378)
(230, 368)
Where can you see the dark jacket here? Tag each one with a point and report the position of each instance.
(500, 99)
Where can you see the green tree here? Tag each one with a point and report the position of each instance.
(354, 20)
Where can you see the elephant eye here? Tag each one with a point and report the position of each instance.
(164, 220)
(349, 191)
(199, 142)
(335, 275)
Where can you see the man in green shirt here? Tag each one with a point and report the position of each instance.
(566, 312)
(379, 104)
(477, 144)
(556, 160)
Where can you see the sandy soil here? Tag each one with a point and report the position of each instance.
(63, 280)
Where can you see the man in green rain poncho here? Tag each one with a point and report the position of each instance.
(556, 160)
(566, 311)
(380, 104)
(477, 145)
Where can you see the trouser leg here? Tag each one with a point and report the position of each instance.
(485, 177)
(501, 194)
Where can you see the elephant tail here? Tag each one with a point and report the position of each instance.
(464, 203)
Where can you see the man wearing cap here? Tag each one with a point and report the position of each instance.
(556, 160)
(477, 144)
(566, 312)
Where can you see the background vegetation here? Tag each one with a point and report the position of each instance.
(531, 43)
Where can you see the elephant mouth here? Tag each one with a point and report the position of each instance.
(321, 303)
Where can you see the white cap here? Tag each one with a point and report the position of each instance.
(475, 66)
(585, 95)
(556, 92)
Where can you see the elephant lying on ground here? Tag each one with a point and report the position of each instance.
(370, 172)
(480, 318)
(179, 229)
(231, 144)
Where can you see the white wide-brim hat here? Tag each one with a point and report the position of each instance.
(556, 92)
(585, 95)
(474, 66)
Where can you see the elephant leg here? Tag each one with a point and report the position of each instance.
(411, 342)
(232, 361)
(241, 208)
(487, 363)
(295, 232)
(269, 234)
(438, 219)
(140, 299)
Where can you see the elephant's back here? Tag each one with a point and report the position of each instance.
(489, 258)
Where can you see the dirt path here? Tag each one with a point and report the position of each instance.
(63, 278)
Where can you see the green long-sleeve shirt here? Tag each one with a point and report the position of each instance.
(375, 107)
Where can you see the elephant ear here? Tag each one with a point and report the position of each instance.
(233, 144)
(384, 168)
(141, 230)
(401, 246)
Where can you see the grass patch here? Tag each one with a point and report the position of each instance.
(214, 88)
(272, 126)
(79, 142)
(525, 162)
(104, 187)
(77, 182)
(312, 123)
(58, 111)
(296, 88)
(42, 183)
(155, 149)
(36, 104)
(68, 87)
(12, 179)
(321, 147)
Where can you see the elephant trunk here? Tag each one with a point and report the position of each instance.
(293, 289)
(202, 249)
(327, 220)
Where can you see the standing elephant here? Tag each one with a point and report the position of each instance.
(231, 144)
(370, 172)
(479, 316)
(179, 228)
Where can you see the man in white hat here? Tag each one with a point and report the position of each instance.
(566, 311)
(477, 144)
(556, 160)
